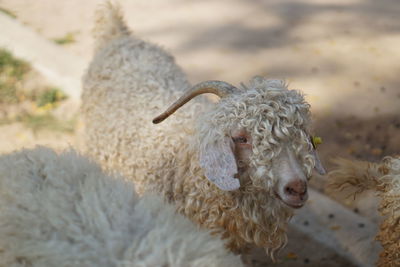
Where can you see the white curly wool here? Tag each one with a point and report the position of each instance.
(62, 210)
(354, 177)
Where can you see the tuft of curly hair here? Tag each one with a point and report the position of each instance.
(357, 176)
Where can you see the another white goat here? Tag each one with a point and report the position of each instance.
(238, 168)
(62, 210)
(354, 177)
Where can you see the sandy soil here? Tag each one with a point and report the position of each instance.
(343, 54)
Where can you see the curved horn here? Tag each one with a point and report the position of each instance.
(219, 88)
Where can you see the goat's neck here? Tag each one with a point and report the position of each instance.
(241, 216)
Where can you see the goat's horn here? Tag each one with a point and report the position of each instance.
(219, 88)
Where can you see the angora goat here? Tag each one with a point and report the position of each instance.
(61, 210)
(384, 177)
(238, 167)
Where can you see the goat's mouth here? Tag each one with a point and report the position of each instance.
(293, 205)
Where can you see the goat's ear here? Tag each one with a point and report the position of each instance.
(318, 165)
(219, 164)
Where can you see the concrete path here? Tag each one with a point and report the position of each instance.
(325, 233)
(338, 228)
(61, 68)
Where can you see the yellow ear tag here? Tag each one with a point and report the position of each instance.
(316, 140)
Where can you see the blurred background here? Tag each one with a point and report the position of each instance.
(343, 54)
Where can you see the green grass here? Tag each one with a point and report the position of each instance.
(8, 13)
(12, 66)
(12, 70)
(42, 122)
(50, 96)
(66, 39)
(46, 122)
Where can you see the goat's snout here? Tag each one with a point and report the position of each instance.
(296, 189)
(291, 187)
(294, 193)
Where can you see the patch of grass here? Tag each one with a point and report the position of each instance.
(66, 39)
(37, 105)
(39, 122)
(12, 70)
(12, 66)
(50, 97)
(8, 12)
(7, 93)
(46, 122)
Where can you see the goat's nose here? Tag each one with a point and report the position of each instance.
(296, 189)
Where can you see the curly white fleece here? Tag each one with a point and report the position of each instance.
(62, 210)
(384, 178)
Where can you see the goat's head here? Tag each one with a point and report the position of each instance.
(257, 136)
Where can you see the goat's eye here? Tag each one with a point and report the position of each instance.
(240, 139)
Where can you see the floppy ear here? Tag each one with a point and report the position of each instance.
(318, 165)
(219, 164)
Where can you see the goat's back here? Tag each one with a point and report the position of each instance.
(127, 84)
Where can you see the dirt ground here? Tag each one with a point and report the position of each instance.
(343, 54)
